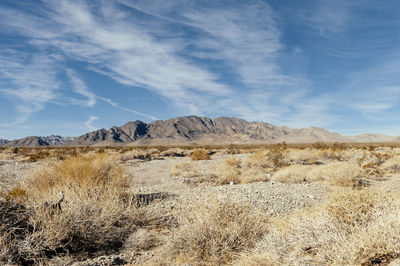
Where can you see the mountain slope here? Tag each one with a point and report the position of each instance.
(203, 130)
(377, 138)
(28, 141)
(34, 141)
(199, 130)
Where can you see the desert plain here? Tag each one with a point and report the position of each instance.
(280, 204)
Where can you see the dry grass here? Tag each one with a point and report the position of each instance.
(294, 174)
(16, 193)
(132, 154)
(234, 170)
(185, 170)
(354, 227)
(392, 165)
(200, 154)
(273, 158)
(343, 174)
(95, 215)
(214, 233)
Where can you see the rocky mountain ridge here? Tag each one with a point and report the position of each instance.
(52, 140)
(189, 130)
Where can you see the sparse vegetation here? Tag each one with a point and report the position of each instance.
(95, 214)
(67, 204)
(200, 154)
(213, 234)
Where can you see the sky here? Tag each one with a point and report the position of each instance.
(69, 67)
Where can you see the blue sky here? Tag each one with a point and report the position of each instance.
(69, 67)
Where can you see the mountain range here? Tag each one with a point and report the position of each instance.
(38, 141)
(191, 130)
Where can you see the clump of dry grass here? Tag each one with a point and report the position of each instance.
(94, 216)
(132, 154)
(200, 154)
(343, 174)
(313, 156)
(40, 155)
(392, 165)
(230, 171)
(214, 233)
(274, 158)
(15, 193)
(81, 175)
(354, 227)
(174, 152)
(294, 174)
(184, 169)
(234, 170)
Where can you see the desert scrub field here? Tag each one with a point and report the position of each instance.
(213, 205)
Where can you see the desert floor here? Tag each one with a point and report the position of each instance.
(312, 204)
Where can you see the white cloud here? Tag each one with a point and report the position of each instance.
(241, 38)
(89, 123)
(80, 87)
(331, 17)
(245, 40)
(29, 82)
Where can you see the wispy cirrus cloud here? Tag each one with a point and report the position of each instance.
(187, 64)
(374, 91)
(28, 81)
(245, 39)
(331, 17)
(80, 87)
(89, 123)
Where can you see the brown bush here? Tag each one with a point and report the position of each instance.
(213, 233)
(94, 216)
(200, 154)
(355, 227)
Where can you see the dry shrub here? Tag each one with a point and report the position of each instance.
(200, 154)
(95, 215)
(233, 170)
(174, 152)
(81, 175)
(16, 193)
(40, 155)
(372, 162)
(392, 165)
(275, 158)
(355, 207)
(343, 174)
(140, 154)
(184, 169)
(214, 233)
(293, 174)
(312, 156)
(229, 172)
(258, 159)
(354, 227)
(7, 154)
(234, 162)
(142, 239)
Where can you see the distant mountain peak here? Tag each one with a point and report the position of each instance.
(202, 130)
(198, 130)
